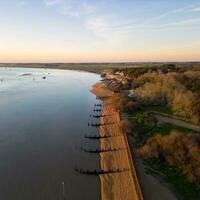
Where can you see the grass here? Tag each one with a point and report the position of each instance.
(166, 128)
(163, 111)
(184, 189)
(146, 132)
(135, 114)
(163, 128)
(160, 109)
(147, 128)
(168, 112)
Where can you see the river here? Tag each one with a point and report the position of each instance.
(43, 118)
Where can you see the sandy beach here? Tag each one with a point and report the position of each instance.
(119, 186)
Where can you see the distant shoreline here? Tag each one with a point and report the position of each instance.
(96, 67)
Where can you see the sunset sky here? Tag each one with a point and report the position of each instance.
(99, 30)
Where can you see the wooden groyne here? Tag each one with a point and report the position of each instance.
(102, 150)
(99, 116)
(118, 186)
(94, 137)
(100, 172)
(100, 124)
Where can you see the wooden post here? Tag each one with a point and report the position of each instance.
(63, 190)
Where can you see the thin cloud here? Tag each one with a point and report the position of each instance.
(197, 9)
(108, 25)
(175, 12)
(23, 3)
(52, 2)
(190, 24)
(104, 28)
(187, 9)
(72, 8)
(98, 25)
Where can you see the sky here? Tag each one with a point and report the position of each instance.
(99, 30)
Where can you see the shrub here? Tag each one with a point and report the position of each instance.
(160, 89)
(131, 106)
(186, 103)
(178, 150)
(128, 127)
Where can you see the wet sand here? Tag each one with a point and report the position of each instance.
(118, 186)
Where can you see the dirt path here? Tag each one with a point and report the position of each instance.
(119, 186)
(177, 122)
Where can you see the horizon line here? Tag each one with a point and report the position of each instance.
(99, 62)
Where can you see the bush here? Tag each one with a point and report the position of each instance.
(128, 127)
(118, 102)
(131, 106)
(178, 150)
(165, 90)
(123, 104)
(186, 103)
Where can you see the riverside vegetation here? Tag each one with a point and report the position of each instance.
(169, 151)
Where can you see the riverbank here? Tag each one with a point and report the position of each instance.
(121, 185)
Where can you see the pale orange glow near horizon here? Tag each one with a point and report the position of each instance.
(160, 55)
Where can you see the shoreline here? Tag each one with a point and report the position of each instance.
(121, 185)
(144, 186)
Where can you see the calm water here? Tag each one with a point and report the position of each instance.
(42, 127)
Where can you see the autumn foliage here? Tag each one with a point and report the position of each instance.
(123, 104)
(179, 150)
(168, 89)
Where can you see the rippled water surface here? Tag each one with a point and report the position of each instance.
(43, 119)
